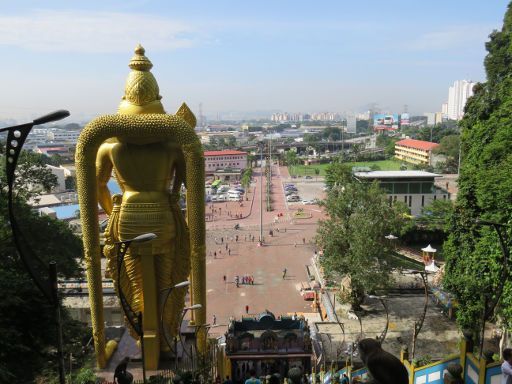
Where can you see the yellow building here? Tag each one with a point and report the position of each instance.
(414, 151)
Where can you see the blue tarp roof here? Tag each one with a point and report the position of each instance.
(66, 212)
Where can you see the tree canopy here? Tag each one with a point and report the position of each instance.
(473, 253)
(27, 326)
(353, 237)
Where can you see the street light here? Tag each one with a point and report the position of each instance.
(382, 300)
(419, 325)
(261, 145)
(135, 319)
(184, 312)
(46, 283)
(183, 284)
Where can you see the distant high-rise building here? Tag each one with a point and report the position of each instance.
(458, 94)
(444, 109)
(351, 122)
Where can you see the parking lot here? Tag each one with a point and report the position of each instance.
(307, 190)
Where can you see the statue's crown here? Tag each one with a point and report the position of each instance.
(141, 92)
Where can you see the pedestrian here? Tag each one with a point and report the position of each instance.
(222, 240)
(224, 277)
(121, 375)
(215, 254)
(506, 367)
(214, 320)
(303, 240)
(236, 238)
(252, 379)
(237, 281)
(284, 273)
(226, 245)
(220, 251)
(247, 309)
(229, 251)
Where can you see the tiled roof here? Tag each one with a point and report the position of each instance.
(223, 153)
(417, 144)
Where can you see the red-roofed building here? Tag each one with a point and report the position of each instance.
(226, 164)
(415, 151)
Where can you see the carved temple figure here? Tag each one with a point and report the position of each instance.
(151, 155)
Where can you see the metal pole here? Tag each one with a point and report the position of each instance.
(261, 194)
(142, 348)
(55, 297)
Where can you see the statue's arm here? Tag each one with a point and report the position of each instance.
(103, 173)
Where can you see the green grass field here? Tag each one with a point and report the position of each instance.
(303, 170)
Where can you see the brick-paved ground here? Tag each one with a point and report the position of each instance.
(270, 291)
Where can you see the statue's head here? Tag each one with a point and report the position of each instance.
(141, 92)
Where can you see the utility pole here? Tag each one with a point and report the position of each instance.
(261, 193)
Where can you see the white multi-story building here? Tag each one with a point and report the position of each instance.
(458, 94)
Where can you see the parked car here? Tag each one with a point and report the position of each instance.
(308, 177)
(293, 198)
(222, 197)
(308, 202)
(288, 193)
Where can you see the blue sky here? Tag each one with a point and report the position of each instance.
(243, 56)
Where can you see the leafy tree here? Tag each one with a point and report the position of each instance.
(353, 237)
(231, 143)
(27, 326)
(337, 173)
(474, 258)
(32, 176)
(436, 215)
(291, 158)
(70, 183)
(246, 179)
(449, 146)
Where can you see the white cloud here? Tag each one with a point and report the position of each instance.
(455, 37)
(94, 32)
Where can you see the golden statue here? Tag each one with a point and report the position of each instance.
(151, 154)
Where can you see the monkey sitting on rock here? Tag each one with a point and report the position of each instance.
(384, 368)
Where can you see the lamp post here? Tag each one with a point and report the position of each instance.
(45, 282)
(135, 319)
(183, 284)
(419, 324)
(261, 193)
(382, 300)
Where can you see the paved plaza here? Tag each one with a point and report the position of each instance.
(290, 247)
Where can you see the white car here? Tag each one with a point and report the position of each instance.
(308, 202)
(293, 198)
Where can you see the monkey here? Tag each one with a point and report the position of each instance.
(383, 367)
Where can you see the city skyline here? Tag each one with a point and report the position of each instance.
(241, 59)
